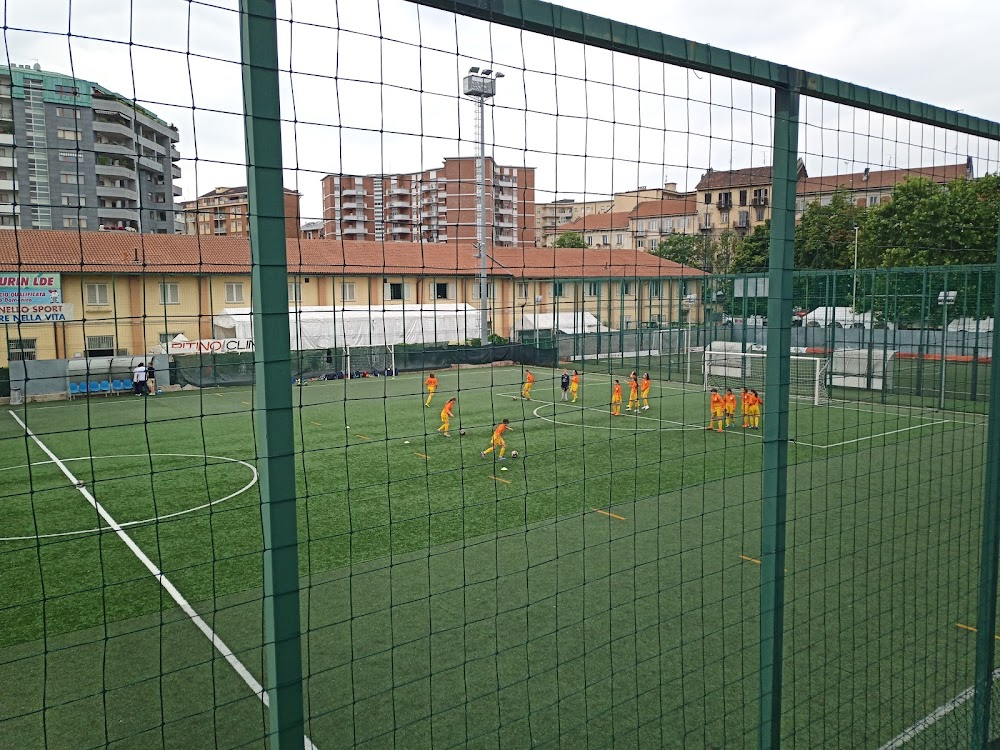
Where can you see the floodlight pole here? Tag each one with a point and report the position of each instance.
(854, 290)
(481, 86)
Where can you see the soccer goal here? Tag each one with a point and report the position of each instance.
(868, 369)
(734, 369)
(374, 360)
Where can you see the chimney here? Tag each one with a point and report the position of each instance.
(864, 177)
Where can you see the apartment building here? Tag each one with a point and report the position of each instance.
(735, 199)
(653, 221)
(549, 216)
(871, 187)
(75, 155)
(437, 205)
(117, 300)
(313, 230)
(604, 230)
(225, 211)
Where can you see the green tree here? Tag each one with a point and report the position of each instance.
(681, 248)
(570, 239)
(752, 254)
(824, 237)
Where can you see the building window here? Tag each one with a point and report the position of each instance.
(590, 239)
(593, 289)
(708, 199)
(68, 135)
(71, 156)
(100, 346)
(654, 289)
(19, 350)
(347, 291)
(234, 293)
(68, 112)
(70, 179)
(760, 196)
(760, 213)
(626, 289)
(74, 222)
(604, 239)
(744, 220)
(442, 290)
(97, 295)
(724, 217)
(294, 291)
(725, 200)
(872, 200)
(170, 294)
(74, 201)
(557, 289)
(743, 197)
(618, 240)
(67, 90)
(640, 244)
(522, 290)
(476, 293)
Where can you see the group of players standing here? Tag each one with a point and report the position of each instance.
(724, 408)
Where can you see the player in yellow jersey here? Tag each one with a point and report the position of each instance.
(446, 416)
(529, 380)
(716, 407)
(755, 410)
(432, 385)
(729, 404)
(644, 390)
(574, 385)
(497, 440)
(633, 392)
(616, 400)
(745, 406)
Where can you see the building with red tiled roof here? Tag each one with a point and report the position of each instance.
(225, 212)
(129, 293)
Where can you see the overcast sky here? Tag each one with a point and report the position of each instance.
(375, 86)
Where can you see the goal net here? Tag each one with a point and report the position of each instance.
(734, 369)
(373, 360)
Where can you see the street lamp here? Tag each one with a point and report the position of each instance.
(481, 86)
(854, 291)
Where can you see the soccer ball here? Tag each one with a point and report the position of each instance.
(514, 454)
(461, 432)
(513, 398)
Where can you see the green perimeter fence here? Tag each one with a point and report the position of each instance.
(807, 586)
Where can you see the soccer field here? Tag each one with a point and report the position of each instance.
(601, 588)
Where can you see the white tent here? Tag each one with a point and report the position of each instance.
(838, 317)
(331, 328)
(567, 322)
(971, 325)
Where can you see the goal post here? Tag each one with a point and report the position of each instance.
(375, 360)
(734, 369)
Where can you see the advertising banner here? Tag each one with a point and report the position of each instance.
(210, 346)
(33, 298)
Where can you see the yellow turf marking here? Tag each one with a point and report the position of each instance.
(605, 513)
(247, 403)
(972, 629)
(363, 437)
(422, 455)
(754, 560)
(505, 481)
(316, 423)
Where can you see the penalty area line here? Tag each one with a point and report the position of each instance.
(175, 594)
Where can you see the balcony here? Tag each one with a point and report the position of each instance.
(118, 128)
(107, 147)
(175, 171)
(429, 214)
(508, 238)
(353, 230)
(758, 200)
(505, 182)
(111, 215)
(353, 217)
(352, 206)
(400, 217)
(4, 92)
(9, 209)
(724, 205)
(113, 170)
(151, 163)
(8, 161)
(397, 190)
(504, 210)
(6, 139)
(8, 186)
(400, 229)
(153, 146)
(506, 224)
(428, 187)
(117, 192)
(357, 192)
(175, 155)
(705, 226)
(399, 204)
(742, 226)
(505, 197)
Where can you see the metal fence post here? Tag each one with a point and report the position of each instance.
(777, 390)
(989, 557)
(273, 410)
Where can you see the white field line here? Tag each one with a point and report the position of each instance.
(162, 579)
(935, 716)
(881, 434)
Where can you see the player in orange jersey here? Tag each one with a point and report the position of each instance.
(745, 406)
(574, 385)
(497, 440)
(633, 392)
(646, 383)
(432, 385)
(529, 380)
(716, 408)
(755, 410)
(446, 416)
(616, 400)
(729, 404)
